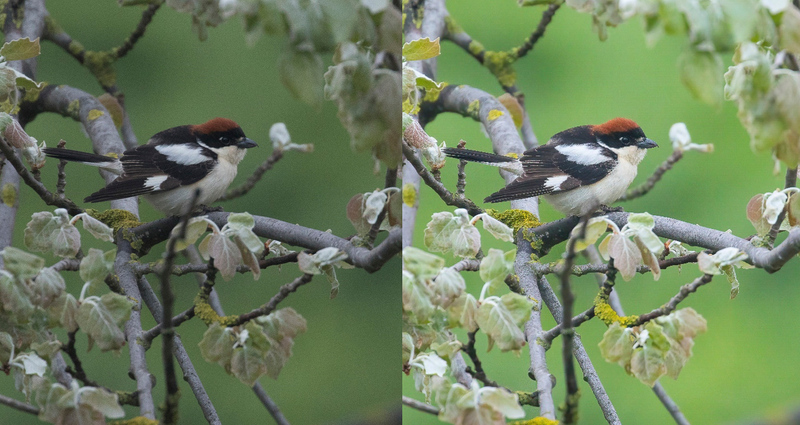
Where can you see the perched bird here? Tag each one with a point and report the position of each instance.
(173, 163)
(577, 171)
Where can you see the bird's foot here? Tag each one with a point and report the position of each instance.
(205, 209)
(605, 209)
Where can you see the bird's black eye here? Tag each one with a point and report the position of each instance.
(623, 139)
(223, 139)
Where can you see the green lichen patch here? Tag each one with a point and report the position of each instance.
(495, 114)
(9, 195)
(74, 109)
(95, 114)
(116, 219)
(100, 64)
(516, 219)
(452, 26)
(500, 65)
(604, 312)
(474, 109)
(476, 48)
(139, 420)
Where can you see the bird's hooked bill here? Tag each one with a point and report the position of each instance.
(246, 143)
(647, 144)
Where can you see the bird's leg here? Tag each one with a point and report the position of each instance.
(205, 209)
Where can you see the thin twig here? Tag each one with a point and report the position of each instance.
(148, 336)
(77, 372)
(48, 197)
(19, 405)
(129, 42)
(270, 405)
(437, 186)
(422, 407)
(672, 304)
(376, 226)
(645, 187)
(547, 17)
(791, 178)
(584, 269)
(478, 373)
(570, 410)
(61, 183)
(167, 331)
(147, 268)
(267, 308)
(265, 166)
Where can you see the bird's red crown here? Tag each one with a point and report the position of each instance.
(616, 125)
(215, 125)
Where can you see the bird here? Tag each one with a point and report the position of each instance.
(578, 170)
(173, 163)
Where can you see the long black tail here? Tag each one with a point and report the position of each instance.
(77, 156)
(476, 156)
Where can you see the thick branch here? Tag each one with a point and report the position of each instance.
(556, 232)
(422, 407)
(19, 405)
(292, 234)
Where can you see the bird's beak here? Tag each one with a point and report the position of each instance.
(246, 144)
(647, 144)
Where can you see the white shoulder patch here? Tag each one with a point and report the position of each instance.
(155, 182)
(582, 154)
(182, 154)
(555, 182)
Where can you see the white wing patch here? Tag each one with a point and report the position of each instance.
(155, 182)
(582, 154)
(555, 182)
(181, 154)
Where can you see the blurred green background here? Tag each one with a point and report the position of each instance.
(745, 367)
(344, 366)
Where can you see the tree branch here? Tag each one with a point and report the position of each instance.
(479, 373)
(422, 407)
(557, 231)
(19, 405)
(672, 304)
(272, 304)
(129, 42)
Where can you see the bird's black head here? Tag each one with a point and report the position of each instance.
(622, 132)
(222, 132)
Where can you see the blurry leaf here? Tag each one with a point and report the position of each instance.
(217, 345)
(775, 6)
(421, 49)
(500, 319)
(21, 264)
(247, 361)
(792, 210)
(417, 298)
(447, 287)
(514, 108)
(478, 405)
(94, 268)
(52, 233)
(497, 228)
(774, 204)
(194, 229)
(16, 136)
(20, 49)
(102, 319)
(301, 73)
(448, 232)
(14, 298)
(648, 361)
(97, 228)
(281, 327)
(113, 107)
(712, 263)
(617, 344)
(701, 72)
(46, 288)
(595, 228)
(421, 264)
(789, 30)
(241, 225)
(63, 311)
(495, 266)
(755, 213)
(463, 312)
(649, 259)
(79, 405)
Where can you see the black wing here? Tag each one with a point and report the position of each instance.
(546, 170)
(146, 170)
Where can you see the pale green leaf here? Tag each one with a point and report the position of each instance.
(503, 401)
(20, 263)
(217, 344)
(417, 298)
(447, 287)
(495, 319)
(20, 49)
(463, 312)
(421, 49)
(102, 319)
(497, 228)
(46, 288)
(194, 229)
(594, 229)
(495, 266)
(226, 255)
(617, 344)
(97, 228)
(626, 255)
(421, 264)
